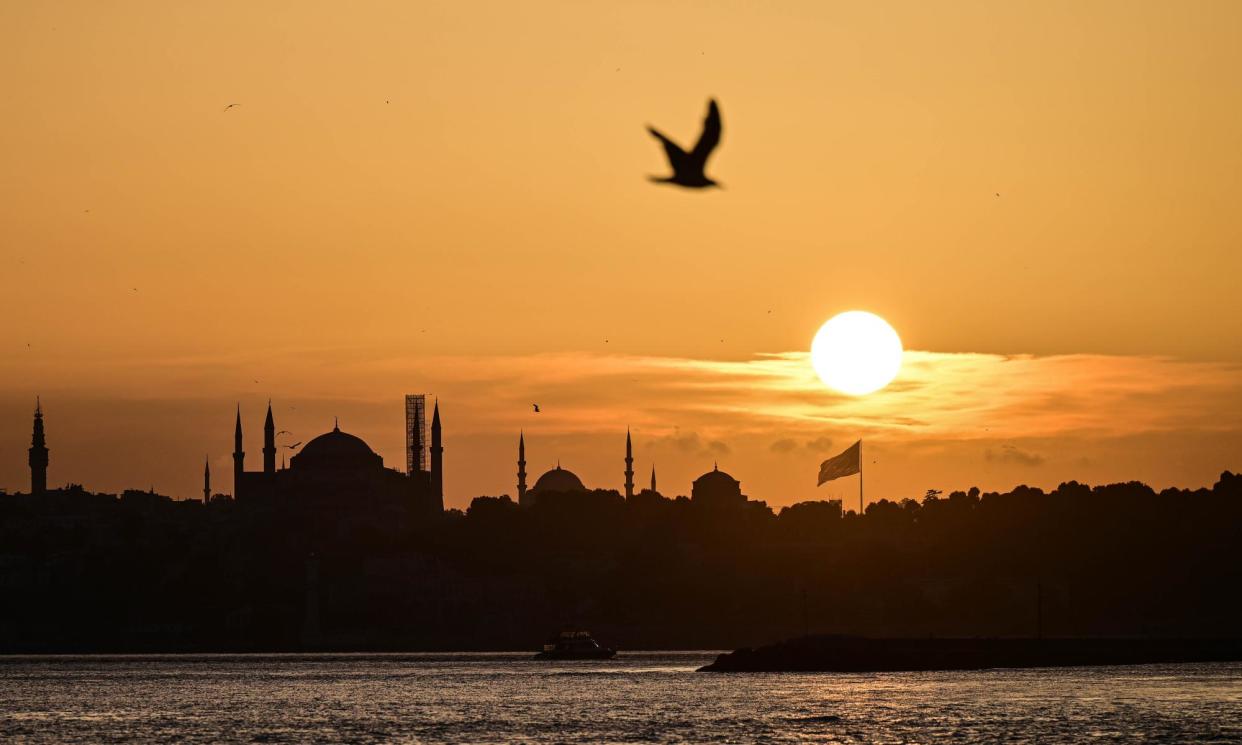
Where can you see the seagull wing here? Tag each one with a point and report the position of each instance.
(710, 137)
(676, 156)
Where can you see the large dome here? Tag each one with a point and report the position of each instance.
(336, 450)
(716, 487)
(716, 478)
(558, 480)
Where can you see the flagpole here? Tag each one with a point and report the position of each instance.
(860, 488)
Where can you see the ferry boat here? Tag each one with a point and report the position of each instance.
(574, 645)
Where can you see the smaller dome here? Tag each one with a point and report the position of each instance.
(558, 480)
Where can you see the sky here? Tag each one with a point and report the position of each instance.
(451, 198)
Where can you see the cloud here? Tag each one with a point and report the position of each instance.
(936, 395)
(819, 444)
(1012, 454)
(689, 443)
(784, 445)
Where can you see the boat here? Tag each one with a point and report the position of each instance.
(574, 645)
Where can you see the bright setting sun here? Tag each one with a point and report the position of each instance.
(856, 352)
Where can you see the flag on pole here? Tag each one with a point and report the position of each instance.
(845, 464)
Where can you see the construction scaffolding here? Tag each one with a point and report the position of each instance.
(415, 433)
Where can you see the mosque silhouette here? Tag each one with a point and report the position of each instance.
(339, 472)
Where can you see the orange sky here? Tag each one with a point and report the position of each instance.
(451, 197)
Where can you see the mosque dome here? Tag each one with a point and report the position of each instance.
(716, 487)
(336, 450)
(716, 477)
(558, 480)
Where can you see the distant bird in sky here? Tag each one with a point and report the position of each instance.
(226, 108)
(536, 408)
(690, 169)
(283, 432)
(998, 193)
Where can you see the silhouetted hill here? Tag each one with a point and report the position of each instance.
(87, 572)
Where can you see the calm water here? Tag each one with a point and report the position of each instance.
(638, 697)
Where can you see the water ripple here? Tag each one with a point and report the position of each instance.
(653, 697)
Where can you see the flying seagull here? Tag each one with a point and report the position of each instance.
(536, 408)
(226, 108)
(689, 169)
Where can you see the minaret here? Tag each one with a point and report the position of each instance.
(437, 459)
(38, 454)
(206, 480)
(269, 442)
(629, 466)
(239, 456)
(653, 478)
(521, 467)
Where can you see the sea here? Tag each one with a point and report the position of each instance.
(637, 697)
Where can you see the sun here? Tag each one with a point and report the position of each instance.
(856, 352)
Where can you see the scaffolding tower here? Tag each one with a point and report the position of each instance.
(415, 433)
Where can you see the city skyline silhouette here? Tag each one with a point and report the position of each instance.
(332, 229)
(1037, 428)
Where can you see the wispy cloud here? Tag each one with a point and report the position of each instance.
(1013, 454)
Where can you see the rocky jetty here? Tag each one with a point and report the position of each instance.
(862, 654)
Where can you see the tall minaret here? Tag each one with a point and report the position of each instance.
(653, 477)
(269, 442)
(206, 480)
(38, 453)
(521, 467)
(629, 466)
(437, 459)
(239, 456)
